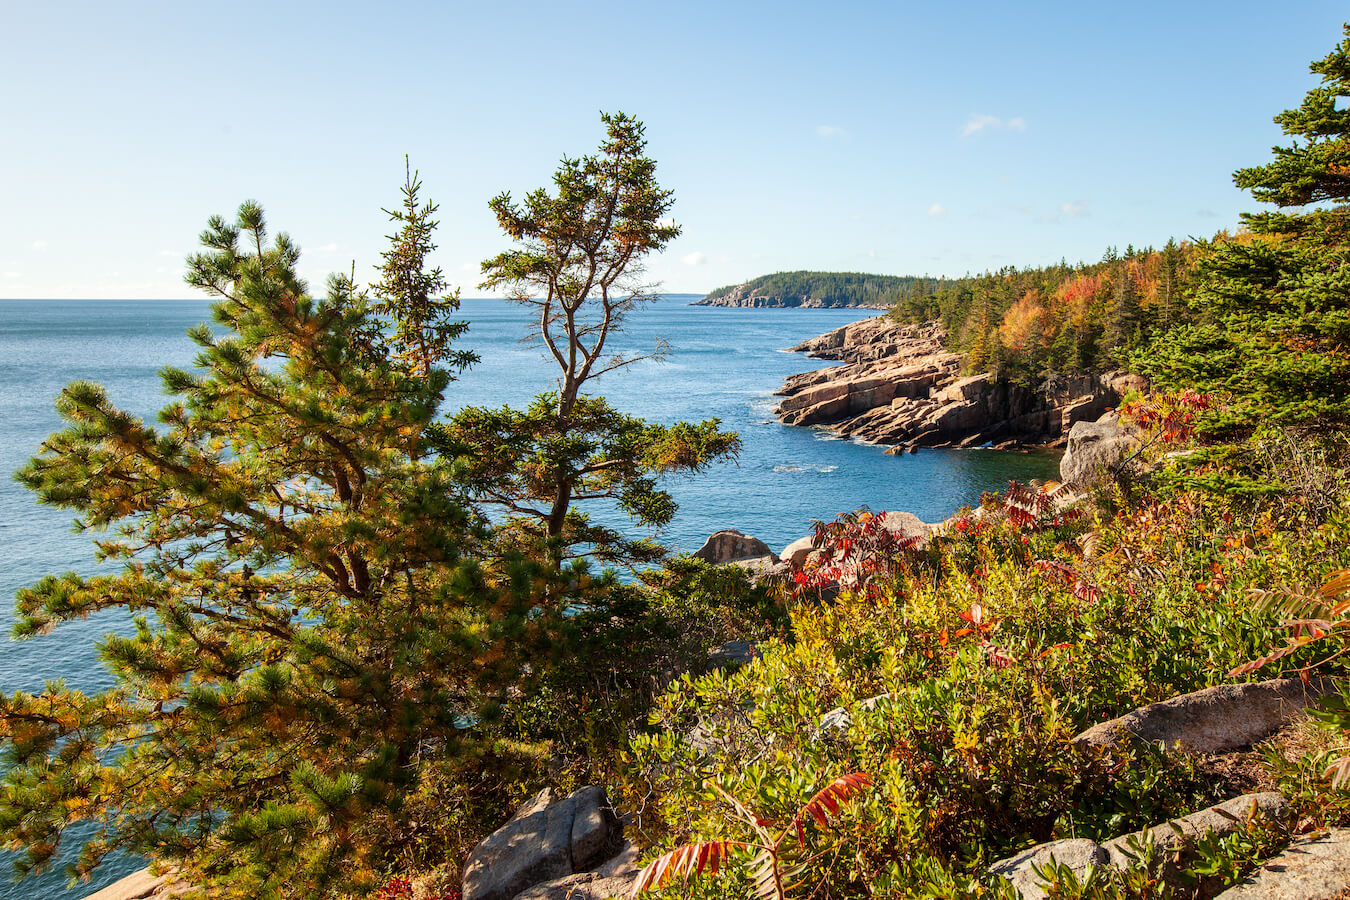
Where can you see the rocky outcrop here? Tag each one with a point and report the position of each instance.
(1175, 839)
(901, 386)
(730, 545)
(545, 841)
(1214, 720)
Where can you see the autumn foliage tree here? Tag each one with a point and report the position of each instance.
(318, 622)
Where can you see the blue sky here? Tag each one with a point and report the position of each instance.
(898, 137)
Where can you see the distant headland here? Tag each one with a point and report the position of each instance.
(814, 289)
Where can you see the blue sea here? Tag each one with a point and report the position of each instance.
(723, 363)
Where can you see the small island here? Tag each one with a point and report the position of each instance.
(814, 290)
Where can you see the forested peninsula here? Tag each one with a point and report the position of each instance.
(812, 289)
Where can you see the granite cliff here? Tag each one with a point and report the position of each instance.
(901, 386)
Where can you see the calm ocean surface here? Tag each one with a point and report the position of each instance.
(723, 363)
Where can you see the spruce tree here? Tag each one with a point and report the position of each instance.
(323, 634)
(1270, 318)
(1125, 319)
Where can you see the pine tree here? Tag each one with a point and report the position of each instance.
(318, 622)
(578, 266)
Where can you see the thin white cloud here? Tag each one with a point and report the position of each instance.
(1075, 210)
(173, 253)
(978, 124)
(830, 131)
(469, 267)
(937, 209)
(12, 275)
(39, 245)
(697, 258)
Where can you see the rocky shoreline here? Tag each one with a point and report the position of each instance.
(749, 298)
(900, 386)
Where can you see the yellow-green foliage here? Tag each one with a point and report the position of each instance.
(989, 652)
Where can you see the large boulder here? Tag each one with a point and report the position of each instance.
(1094, 449)
(730, 545)
(544, 841)
(1317, 869)
(1214, 720)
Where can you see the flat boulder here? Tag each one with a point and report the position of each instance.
(1317, 869)
(1176, 837)
(1175, 840)
(1214, 720)
(543, 842)
(730, 545)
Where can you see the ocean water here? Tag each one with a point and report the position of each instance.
(723, 363)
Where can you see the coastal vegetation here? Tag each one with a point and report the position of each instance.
(341, 664)
(366, 633)
(958, 675)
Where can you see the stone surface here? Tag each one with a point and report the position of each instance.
(594, 827)
(1309, 870)
(137, 886)
(613, 879)
(729, 545)
(763, 566)
(732, 653)
(907, 525)
(796, 552)
(900, 386)
(839, 718)
(1175, 836)
(1093, 449)
(1174, 839)
(543, 843)
(586, 886)
(1076, 853)
(1214, 720)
